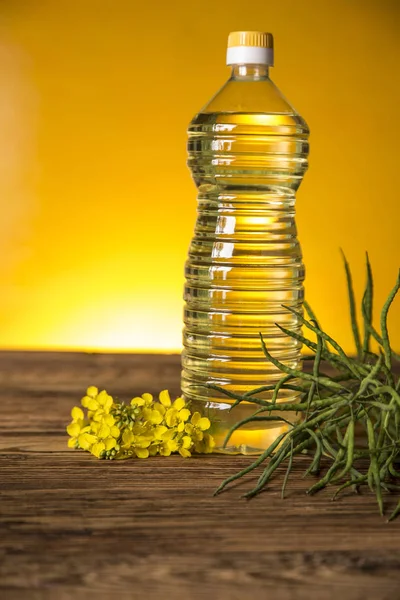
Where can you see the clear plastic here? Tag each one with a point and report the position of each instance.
(248, 153)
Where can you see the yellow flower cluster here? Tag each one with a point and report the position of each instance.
(143, 428)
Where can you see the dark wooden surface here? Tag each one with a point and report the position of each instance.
(76, 527)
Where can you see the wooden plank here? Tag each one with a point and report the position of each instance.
(65, 515)
(76, 527)
(53, 372)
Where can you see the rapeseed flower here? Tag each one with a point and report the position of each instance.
(197, 426)
(145, 427)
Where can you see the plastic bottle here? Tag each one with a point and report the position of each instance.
(247, 152)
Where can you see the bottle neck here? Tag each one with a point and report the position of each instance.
(250, 72)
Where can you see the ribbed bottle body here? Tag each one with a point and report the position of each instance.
(244, 263)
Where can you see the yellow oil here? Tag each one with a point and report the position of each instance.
(244, 264)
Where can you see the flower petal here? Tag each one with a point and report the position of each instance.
(72, 442)
(96, 415)
(85, 401)
(156, 417)
(142, 452)
(179, 404)
(109, 420)
(153, 449)
(165, 451)
(146, 414)
(97, 449)
(148, 398)
(94, 427)
(101, 397)
(184, 453)
(195, 418)
(127, 437)
(172, 445)
(77, 413)
(105, 400)
(115, 432)
(159, 432)
(168, 435)
(110, 443)
(159, 407)
(86, 440)
(104, 431)
(92, 391)
(93, 404)
(184, 414)
(171, 417)
(108, 403)
(165, 398)
(73, 429)
(143, 441)
(204, 424)
(186, 442)
(137, 401)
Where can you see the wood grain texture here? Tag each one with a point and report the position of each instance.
(76, 527)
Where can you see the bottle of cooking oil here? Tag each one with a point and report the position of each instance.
(248, 152)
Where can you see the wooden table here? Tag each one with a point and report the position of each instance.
(76, 527)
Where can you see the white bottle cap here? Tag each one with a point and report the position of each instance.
(250, 47)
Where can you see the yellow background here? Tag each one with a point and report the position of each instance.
(97, 205)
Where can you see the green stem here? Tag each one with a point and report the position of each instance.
(384, 327)
(352, 305)
(367, 305)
